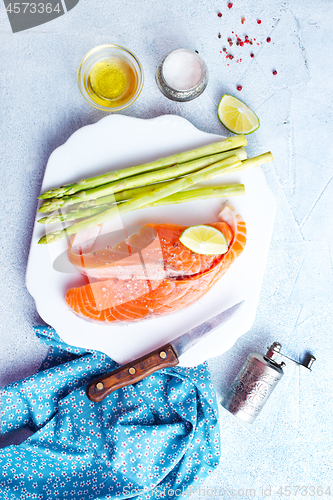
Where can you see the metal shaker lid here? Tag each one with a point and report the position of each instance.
(262, 361)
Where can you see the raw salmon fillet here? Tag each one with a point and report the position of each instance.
(187, 276)
(134, 256)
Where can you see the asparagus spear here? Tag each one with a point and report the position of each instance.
(131, 193)
(140, 201)
(127, 194)
(217, 147)
(139, 180)
(256, 161)
(200, 194)
(181, 197)
(228, 165)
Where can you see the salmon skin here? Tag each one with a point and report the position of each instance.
(187, 277)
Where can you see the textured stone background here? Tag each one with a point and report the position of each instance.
(40, 107)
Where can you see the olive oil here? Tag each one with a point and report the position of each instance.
(112, 82)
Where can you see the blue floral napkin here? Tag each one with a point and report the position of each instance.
(156, 439)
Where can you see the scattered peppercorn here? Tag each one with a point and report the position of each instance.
(274, 72)
(220, 14)
(239, 87)
(237, 40)
(230, 5)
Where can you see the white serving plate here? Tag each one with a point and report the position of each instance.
(118, 141)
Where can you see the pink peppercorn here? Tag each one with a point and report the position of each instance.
(219, 14)
(252, 55)
(274, 72)
(258, 21)
(239, 87)
(230, 5)
(268, 39)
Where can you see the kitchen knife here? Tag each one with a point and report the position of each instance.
(163, 357)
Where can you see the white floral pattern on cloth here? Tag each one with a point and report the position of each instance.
(151, 440)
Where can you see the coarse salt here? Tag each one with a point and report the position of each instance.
(182, 69)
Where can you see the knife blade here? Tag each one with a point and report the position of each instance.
(163, 357)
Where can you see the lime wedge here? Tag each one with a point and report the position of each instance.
(206, 240)
(236, 116)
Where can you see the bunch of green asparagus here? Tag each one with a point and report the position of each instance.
(165, 181)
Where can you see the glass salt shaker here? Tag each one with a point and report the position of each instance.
(181, 75)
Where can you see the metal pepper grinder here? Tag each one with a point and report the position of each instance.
(256, 381)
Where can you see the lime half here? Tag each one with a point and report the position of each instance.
(206, 240)
(236, 116)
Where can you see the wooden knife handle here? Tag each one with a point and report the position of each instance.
(132, 372)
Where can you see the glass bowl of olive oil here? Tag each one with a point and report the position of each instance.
(110, 77)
